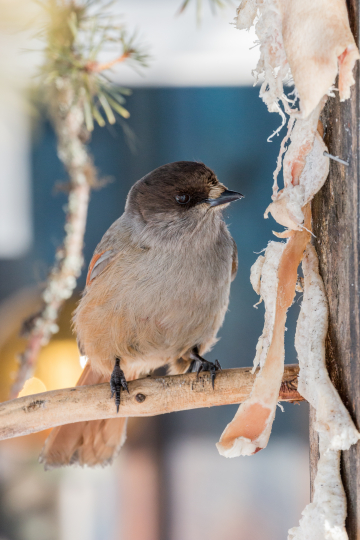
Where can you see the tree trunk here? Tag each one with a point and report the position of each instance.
(336, 221)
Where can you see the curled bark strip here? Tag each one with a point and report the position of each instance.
(310, 41)
(346, 65)
(313, 40)
(267, 289)
(272, 65)
(279, 159)
(255, 274)
(147, 397)
(69, 125)
(250, 429)
(325, 516)
(314, 382)
(319, 44)
(305, 171)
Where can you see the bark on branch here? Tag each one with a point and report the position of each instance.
(148, 397)
(69, 123)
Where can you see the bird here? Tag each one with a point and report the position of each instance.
(156, 294)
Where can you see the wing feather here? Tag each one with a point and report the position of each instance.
(98, 264)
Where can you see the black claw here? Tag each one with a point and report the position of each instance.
(124, 385)
(199, 364)
(117, 383)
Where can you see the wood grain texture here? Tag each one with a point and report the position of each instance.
(147, 397)
(336, 226)
(314, 449)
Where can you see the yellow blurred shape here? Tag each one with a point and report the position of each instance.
(32, 386)
(58, 365)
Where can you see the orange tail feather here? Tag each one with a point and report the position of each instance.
(85, 443)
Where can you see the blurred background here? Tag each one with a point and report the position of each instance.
(195, 101)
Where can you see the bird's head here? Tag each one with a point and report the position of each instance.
(178, 192)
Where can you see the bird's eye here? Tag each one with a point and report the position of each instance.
(182, 199)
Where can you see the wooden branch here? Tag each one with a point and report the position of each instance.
(95, 66)
(69, 123)
(148, 397)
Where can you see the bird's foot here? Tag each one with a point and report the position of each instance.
(199, 364)
(117, 383)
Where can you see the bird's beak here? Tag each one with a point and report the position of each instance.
(227, 196)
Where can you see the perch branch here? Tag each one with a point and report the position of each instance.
(147, 397)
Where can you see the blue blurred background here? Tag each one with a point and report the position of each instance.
(169, 482)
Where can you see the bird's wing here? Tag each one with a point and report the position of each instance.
(98, 264)
(235, 263)
(100, 260)
(114, 241)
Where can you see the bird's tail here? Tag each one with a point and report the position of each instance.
(91, 443)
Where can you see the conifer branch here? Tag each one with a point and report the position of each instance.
(77, 94)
